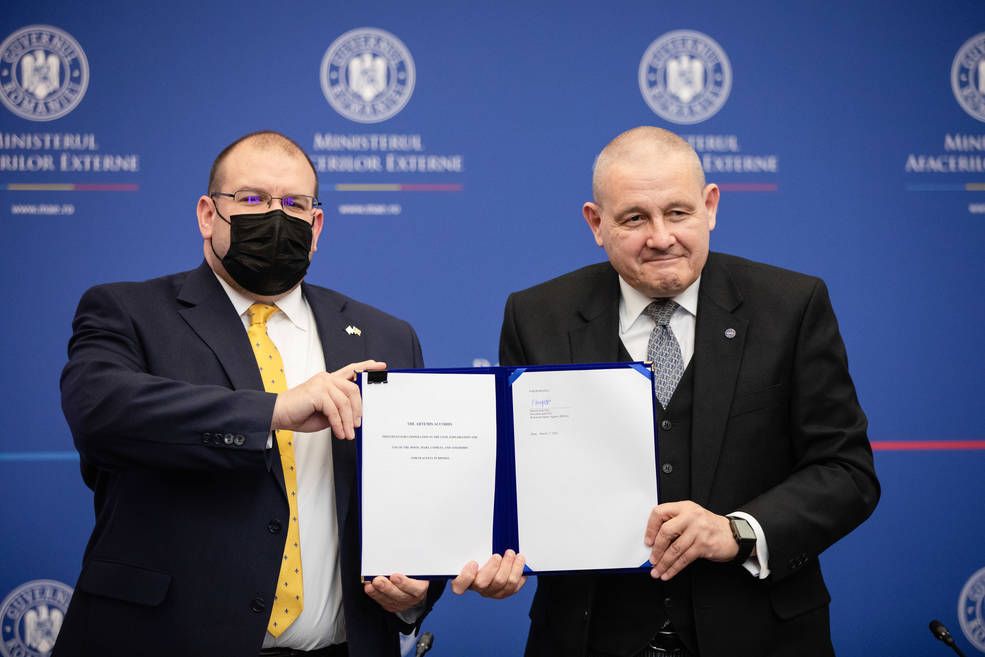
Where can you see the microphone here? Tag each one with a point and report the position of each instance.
(427, 640)
(939, 631)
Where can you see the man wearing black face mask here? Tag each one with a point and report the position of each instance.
(268, 251)
(203, 406)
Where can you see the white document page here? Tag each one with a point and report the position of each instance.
(586, 476)
(428, 472)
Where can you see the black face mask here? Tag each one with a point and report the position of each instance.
(268, 252)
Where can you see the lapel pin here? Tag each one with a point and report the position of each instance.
(355, 330)
(730, 333)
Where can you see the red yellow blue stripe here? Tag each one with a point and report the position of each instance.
(71, 187)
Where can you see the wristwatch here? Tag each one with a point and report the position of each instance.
(744, 535)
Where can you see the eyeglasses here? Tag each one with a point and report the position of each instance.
(296, 204)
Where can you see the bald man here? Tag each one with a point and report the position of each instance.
(203, 405)
(764, 457)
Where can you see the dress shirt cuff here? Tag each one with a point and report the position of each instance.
(412, 615)
(758, 563)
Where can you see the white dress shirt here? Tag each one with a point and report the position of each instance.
(634, 331)
(321, 622)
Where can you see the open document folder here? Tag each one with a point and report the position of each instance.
(557, 463)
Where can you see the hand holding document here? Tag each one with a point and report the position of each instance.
(500, 577)
(558, 464)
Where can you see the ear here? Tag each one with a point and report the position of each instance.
(206, 216)
(317, 224)
(593, 216)
(711, 204)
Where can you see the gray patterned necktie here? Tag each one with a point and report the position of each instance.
(663, 350)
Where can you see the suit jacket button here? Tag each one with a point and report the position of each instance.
(668, 603)
(228, 439)
(239, 440)
(274, 526)
(258, 605)
(587, 615)
(667, 468)
(666, 425)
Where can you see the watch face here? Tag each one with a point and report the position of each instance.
(744, 536)
(742, 530)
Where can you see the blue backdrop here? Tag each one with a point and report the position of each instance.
(841, 147)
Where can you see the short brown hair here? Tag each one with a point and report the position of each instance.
(263, 138)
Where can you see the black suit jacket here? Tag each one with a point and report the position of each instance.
(776, 431)
(167, 409)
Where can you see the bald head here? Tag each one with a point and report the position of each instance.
(639, 145)
(653, 212)
(263, 139)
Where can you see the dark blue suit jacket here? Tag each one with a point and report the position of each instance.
(167, 409)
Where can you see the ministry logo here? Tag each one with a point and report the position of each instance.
(367, 75)
(685, 77)
(43, 73)
(31, 616)
(968, 76)
(971, 609)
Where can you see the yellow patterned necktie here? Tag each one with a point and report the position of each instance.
(289, 600)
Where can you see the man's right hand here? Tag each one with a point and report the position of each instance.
(325, 400)
(500, 577)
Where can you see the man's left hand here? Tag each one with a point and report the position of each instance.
(679, 533)
(396, 593)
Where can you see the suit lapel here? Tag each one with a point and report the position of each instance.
(716, 367)
(597, 339)
(340, 348)
(339, 345)
(209, 312)
(716, 357)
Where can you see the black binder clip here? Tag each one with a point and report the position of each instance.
(376, 377)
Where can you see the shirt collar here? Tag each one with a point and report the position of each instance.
(633, 302)
(291, 304)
